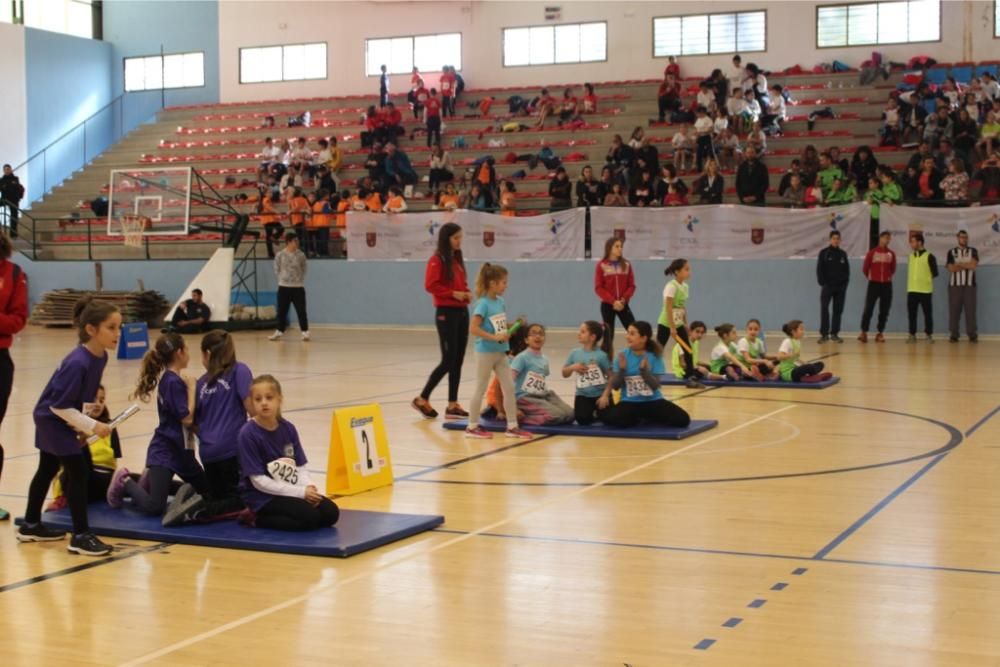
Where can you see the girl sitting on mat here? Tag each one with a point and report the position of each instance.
(540, 405)
(753, 351)
(275, 484)
(789, 365)
(725, 357)
(696, 333)
(637, 372)
(101, 457)
(673, 318)
(170, 452)
(591, 364)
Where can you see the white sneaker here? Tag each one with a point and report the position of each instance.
(276, 335)
(305, 335)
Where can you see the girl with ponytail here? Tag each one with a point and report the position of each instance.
(673, 322)
(590, 363)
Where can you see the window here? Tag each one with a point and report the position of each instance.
(743, 32)
(555, 45)
(177, 70)
(428, 53)
(294, 62)
(69, 17)
(996, 18)
(878, 23)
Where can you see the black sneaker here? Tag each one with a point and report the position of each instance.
(87, 544)
(39, 533)
(823, 339)
(692, 383)
(836, 339)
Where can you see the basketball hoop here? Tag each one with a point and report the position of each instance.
(132, 229)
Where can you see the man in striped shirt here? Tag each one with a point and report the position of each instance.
(962, 262)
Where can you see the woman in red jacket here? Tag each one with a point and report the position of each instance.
(445, 280)
(13, 317)
(614, 283)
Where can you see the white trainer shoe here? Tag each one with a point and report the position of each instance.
(276, 335)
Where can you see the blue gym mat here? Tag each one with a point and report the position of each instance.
(599, 430)
(674, 381)
(356, 531)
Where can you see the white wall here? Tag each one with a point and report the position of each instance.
(967, 34)
(14, 129)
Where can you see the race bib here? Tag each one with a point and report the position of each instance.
(679, 314)
(636, 386)
(592, 377)
(534, 383)
(499, 322)
(284, 470)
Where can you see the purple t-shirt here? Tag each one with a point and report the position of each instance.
(74, 383)
(259, 447)
(167, 448)
(219, 412)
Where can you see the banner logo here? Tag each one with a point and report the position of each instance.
(834, 219)
(432, 227)
(756, 235)
(619, 234)
(689, 222)
(371, 238)
(489, 238)
(554, 226)
(995, 219)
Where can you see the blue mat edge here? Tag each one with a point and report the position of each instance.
(697, 427)
(671, 381)
(431, 521)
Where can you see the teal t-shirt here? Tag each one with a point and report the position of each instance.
(592, 382)
(635, 389)
(531, 371)
(493, 312)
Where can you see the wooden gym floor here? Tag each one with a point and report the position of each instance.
(858, 525)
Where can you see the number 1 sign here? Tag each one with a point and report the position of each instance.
(359, 452)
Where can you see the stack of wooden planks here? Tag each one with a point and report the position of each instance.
(56, 307)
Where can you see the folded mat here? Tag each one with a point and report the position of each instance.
(599, 430)
(674, 381)
(356, 531)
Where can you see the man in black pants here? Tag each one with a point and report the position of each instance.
(833, 273)
(290, 268)
(879, 268)
(752, 179)
(192, 316)
(13, 317)
(11, 192)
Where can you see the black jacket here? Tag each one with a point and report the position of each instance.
(709, 194)
(590, 193)
(10, 188)
(832, 268)
(752, 180)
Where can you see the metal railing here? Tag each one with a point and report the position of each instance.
(83, 142)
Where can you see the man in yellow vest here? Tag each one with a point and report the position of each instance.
(921, 271)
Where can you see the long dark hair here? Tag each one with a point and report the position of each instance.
(600, 333)
(609, 244)
(221, 353)
(645, 329)
(791, 326)
(444, 251)
(675, 266)
(156, 359)
(92, 312)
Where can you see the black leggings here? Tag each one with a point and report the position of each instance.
(608, 314)
(663, 335)
(804, 370)
(223, 488)
(6, 384)
(292, 296)
(920, 300)
(586, 411)
(631, 413)
(75, 488)
(284, 513)
(453, 336)
(154, 502)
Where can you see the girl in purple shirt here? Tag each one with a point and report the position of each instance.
(169, 451)
(276, 486)
(59, 415)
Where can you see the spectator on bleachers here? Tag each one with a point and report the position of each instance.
(418, 97)
(635, 140)
(323, 212)
(642, 193)
(753, 109)
(486, 175)
(395, 202)
(392, 123)
(672, 68)
(863, 168)
(649, 154)
(757, 138)
(773, 117)
(909, 182)
(440, 168)
(668, 178)
(945, 154)
(883, 190)
(373, 127)
(794, 193)
(923, 152)
(739, 114)
(842, 191)
(955, 185)
(589, 104)
(675, 197)
(476, 199)
(269, 217)
(728, 149)
(989, 86)
(301, 158)
(966, 134)
(448, 200)
(619, 158)
(371, 199)
(268, 122)
(951, 92)
(432, 118)
(989, 135)
(929, 182)
(545, 106)
(291, 181)
(589, 190)
(508, 201)
(375, 163)
(708, 187)
(758, 84)
(668, 97)
(838, 161)
(336, 161)
(828, 171)
(720, 87)
(615, 196)
(560, 191)
(988, 178)
(299, 209)
(971, 104)
(720, 121)
(786, 178)
(448, 84)
(383, 87)
(568, 107)
(398, 170)
(703, 130)
(683, 147)
(737, 77)
(607, 178)
(892, 124)
(937, 127)
(752, 180)
(705, 97)
(269, 156)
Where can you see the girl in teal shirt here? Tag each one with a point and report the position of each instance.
(590, 364)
